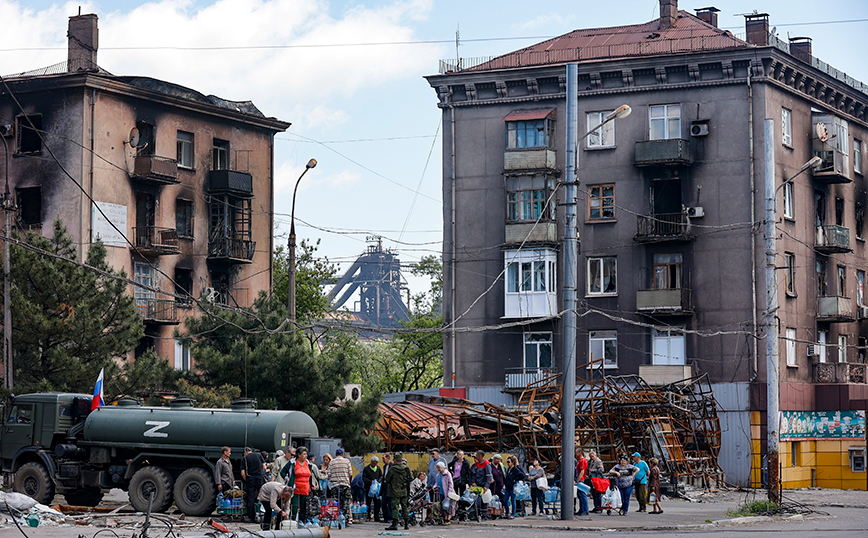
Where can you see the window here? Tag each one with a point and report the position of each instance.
(144, 275)
(860, 220)
(842, 348)
(220, 155)
(665, 122)
(601, 202)
(527, 198)
(790, 259)
(184, 218)
(795, 454)
(839, 211)
(857, 156)
(668, 347)
(791, 347)
(182, 356)
(860, 351)
(860, 287)
(531, 285)
(29, 201)
(822, 339)
(789, 211)
(28, 129)
(821, 278)
(185, 149)
(529, 134)
(21, 414)
(183, 286)
(529, 276)
(602, 273)
(787, 127)
(668, 271)
(537, 350)
(603, 344)
(842, 281)
(603, 137)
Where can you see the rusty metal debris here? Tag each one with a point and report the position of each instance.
(676, 423)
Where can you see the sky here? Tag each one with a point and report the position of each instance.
(349, 75)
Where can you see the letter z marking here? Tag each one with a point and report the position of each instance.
(157, 425)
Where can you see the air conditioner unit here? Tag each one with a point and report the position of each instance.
(695, 212)
(7, 130)
(209, 294)
(863, 312)
(352, 393)
(813, 350)
(699, 129)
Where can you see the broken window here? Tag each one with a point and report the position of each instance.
(184, 218)
(860, 220)
(790, 259)
(603, 344)
(537, 350)
(821, 278)
(29, 206)
(601, 202)
(185, 149)
(527, 198)
(182, 356)
(183, 286)
(602, 275)
(220, 155)
(668, 270)
(29, 129)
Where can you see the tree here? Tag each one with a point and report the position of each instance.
(68, 320)
(256, 350)
(311, 275)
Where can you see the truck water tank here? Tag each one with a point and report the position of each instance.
(171, 427)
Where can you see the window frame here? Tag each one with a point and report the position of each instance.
(529, 204)
(545, 340)
(790, 343)
(601, 198)
(26, 135)
(859, 219)
(860, 287)
(515, 141)
(842, 348)
(789, 201)
(787, 127)
(143, 274)
(26, 198)
(669, 335)
(185, 148)
(841, 280)
(599, 137)
(220, 147)
(790, 274)
(186, 216)
(667, 119)
(603, 337)
(182, 360)
(857, 156)
(612, 267)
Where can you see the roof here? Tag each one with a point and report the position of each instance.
(523, 115)
(688, 34)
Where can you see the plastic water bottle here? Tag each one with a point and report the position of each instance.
(342, 522)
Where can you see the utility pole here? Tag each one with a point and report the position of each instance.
(8, 207)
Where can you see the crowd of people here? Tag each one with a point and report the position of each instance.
(287, 485)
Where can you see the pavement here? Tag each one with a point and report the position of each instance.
(700, 511)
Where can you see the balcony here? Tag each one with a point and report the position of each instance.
(529, 159)
(231, 249)
(157, 170)
(156, 241)
(662, 227)
(832, 238)
(159, 311)
(529, 232)
(836, 310)
(674, 151)
(672, 302)
(839, 372)
(230, 181)
(517, 379)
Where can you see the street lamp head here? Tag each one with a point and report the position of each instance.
(310, 164)
(813, 163)
(623, 111)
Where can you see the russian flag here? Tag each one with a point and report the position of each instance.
(98, 399)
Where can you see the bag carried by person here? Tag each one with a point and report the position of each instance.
(542, 483)
(611, 499)
(374, 490)
(522, 491)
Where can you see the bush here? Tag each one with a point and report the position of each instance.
(756, 508)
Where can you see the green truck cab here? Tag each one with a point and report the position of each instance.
(54, 443)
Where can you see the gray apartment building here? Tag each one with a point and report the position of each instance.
(671, 212)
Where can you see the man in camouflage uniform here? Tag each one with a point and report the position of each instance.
(398, 478)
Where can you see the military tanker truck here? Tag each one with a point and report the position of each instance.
(54, 443)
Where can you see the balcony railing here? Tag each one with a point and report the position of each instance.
(675, 301)
(836, 309)
(520, 378)
(161, 170)
(158, 310)
(833, 238)
(230, 181)
(673, 151)
(155, 240)
(662, 227)
(231, 249)
(839, 372)
(530, 159)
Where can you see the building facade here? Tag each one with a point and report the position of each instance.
(178, 185)
(671, 207)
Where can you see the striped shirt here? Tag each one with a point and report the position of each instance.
(340, 472)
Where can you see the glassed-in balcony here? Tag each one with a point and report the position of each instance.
(836, 310)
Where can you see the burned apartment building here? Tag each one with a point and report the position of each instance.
(181, 182)
(671, 206)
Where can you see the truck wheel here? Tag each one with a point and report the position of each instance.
(32, 480)
(84, 497)
(195, 492)
(147, 480)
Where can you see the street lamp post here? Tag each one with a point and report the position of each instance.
(772, 330)
(291, 258)
(568, 397)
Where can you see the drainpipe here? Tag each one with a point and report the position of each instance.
(452, 346)
(754, 230)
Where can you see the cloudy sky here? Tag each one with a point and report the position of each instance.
(348, 76)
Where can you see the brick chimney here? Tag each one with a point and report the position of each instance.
(83, 41)
(668, 13)
(800, 47)
(708, 14)
(757, 28)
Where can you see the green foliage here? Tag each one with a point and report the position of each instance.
(311, 274)
(68, 321)
(148, 377)
(254, 349)
(755, 508)
(218, 397)
(429, 302)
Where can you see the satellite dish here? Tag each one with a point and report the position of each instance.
(134, 137)
(822, 133)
